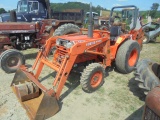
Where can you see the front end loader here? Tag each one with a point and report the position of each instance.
(95, 50)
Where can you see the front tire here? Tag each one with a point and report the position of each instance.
(10, 60)
(92, 77)
(127, 56)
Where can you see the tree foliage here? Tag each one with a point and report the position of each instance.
(75, 5)
(2, 10)
(154, 9)
(153, 12)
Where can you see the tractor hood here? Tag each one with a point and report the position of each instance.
(68, 41)
(75, 38)
(17, 27)
(79, 38)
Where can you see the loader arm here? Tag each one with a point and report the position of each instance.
(62, 70)
(40, 102)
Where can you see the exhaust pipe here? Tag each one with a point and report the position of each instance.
(90, 26)
(13, 16)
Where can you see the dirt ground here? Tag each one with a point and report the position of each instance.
(118, 99)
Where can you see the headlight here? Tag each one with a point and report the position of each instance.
(65, 43)
(68, 44)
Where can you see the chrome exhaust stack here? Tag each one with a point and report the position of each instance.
(90, 25)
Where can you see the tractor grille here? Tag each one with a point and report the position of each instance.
(61, 56)
(150, 115)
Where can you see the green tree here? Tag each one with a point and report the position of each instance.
(154, 9)
(2, 10)
(75, 5)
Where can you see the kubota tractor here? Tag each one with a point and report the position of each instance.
(96, 50)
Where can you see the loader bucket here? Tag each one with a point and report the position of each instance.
(39, 105)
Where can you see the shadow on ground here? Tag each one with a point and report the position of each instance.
(133, 86)
(137, 115)
(73, 83)
(31, 55)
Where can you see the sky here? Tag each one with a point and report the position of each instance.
(108, 4)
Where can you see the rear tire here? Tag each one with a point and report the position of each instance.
(147, 74)
(66, 29)
(10, 60)
(92, 77)
(127, 56)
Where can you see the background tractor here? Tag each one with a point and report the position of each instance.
(152, 31)
(147, 74)
(152, 105)
(94, 50)
(23, 35)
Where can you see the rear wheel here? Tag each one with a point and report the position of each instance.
(127, 56)
(92, 77)
(11, 59)
(66, 29)
(147, 74)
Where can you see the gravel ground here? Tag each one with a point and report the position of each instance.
(118, 99)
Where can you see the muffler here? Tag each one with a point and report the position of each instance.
(39, 104)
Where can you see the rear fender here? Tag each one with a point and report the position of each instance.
(119, 41)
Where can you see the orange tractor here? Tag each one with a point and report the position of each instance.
(96, 50)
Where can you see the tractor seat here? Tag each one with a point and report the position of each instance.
(115, 31)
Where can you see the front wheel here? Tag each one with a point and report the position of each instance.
(127, 56)
(10, 60)
(92, 77)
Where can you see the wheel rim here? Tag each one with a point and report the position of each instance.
(133, 57)
(96, 79)
(13, 62)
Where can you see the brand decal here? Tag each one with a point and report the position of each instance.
(93, 42)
